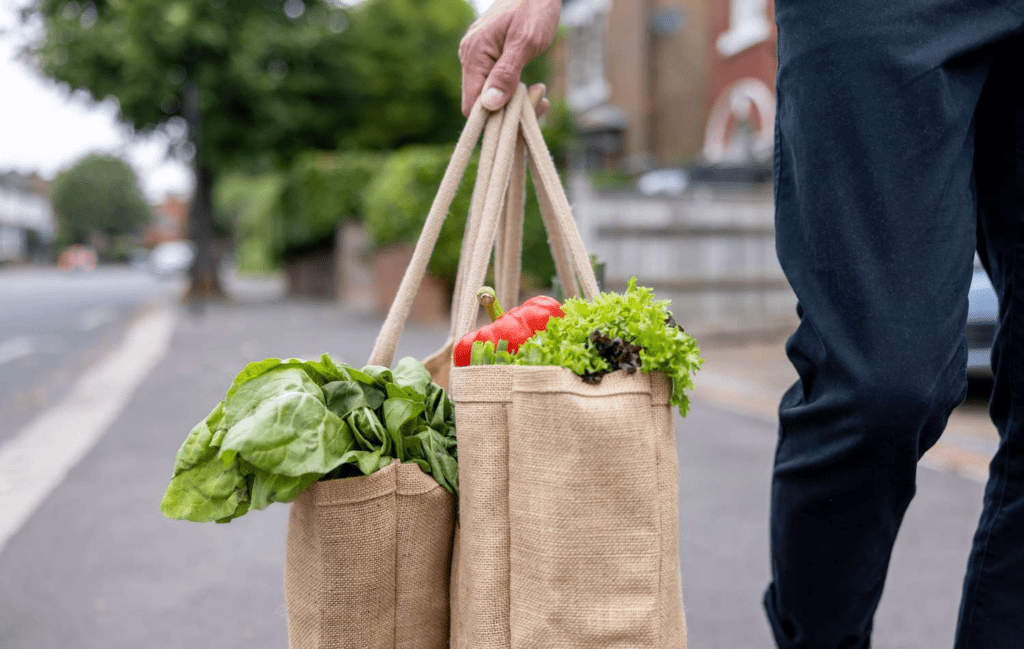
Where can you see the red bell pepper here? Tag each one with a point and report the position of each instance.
(515, 326)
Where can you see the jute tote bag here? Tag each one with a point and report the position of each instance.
(368, 559)
(367, 562)
(568, 523)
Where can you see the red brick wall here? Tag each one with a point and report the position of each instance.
(758, 61)
(432, 301)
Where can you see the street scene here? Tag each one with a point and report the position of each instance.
(234, 181)
(95, 564)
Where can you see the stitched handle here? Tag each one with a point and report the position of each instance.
(387, 340)
(553, 202)
(509, 134)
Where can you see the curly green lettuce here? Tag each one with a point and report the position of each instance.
(636, 318)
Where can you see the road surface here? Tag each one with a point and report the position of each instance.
(53, 325)
(96, 566)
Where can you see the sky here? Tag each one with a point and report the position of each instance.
(44, 129)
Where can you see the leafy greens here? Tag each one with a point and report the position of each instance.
(285, 424)
(617, 326)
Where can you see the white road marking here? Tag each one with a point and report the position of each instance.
(95, 317)
(15, 348)
(38, 457)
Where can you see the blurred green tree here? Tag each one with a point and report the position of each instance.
(254, 82)
(98, 195)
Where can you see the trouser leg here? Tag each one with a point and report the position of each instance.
(875, 222)
(992, 607)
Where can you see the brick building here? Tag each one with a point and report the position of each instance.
(27, 223)
(170, 221)
(668, 82)
(739, 125)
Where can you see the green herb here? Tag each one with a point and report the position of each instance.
(485, 353)
(284, 424)
(613, 332)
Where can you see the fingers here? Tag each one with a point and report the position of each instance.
(503, 79)
(472, 84)
(536, 94)
(497, 46)
(478, 51)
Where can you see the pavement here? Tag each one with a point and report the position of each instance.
(94, 564)
(53, 326)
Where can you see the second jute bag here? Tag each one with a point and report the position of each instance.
(367, 562)
(567, 533)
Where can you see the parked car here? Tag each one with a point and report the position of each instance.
(172, 257)
(77, 257)
(663, 182)
(982, 314)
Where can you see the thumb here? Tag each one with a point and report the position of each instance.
(503, 80)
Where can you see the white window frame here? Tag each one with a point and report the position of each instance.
(748, 26)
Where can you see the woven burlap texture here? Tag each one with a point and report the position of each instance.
(568, 511)
(368, 562)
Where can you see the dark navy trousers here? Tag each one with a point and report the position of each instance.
(899, 153)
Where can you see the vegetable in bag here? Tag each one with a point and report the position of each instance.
(285, 424)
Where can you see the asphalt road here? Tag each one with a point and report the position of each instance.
(97, 566)
(53, 325)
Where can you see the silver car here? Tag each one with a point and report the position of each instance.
(982, 314)
(172, 257)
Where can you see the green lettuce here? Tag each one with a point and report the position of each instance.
(632, 318)
(285, 424)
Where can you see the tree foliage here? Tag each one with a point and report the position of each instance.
(253, 204)
(274, 77)
(99, 194)
(256, 82)
(405, 56)
(322, 190)
(398, 199)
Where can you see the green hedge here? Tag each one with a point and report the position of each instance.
(398, 198)
(253, 204)
(321, 190)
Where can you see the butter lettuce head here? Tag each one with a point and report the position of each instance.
(285, 424)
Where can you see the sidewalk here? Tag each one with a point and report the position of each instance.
(97, 566)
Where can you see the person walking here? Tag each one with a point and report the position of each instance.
(899, 153)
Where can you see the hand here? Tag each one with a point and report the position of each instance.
(499, 44)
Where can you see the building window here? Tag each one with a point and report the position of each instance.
(586, 85)
(748, 26)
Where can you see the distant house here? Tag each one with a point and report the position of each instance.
(668, 82)
(170, 221)
(741, 114)
(27, 224)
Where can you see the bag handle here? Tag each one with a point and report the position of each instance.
(488, 197)
(508, 248)
(387, 340)
(438, 363)
(464, 304)
(553, 200)
(483, 174)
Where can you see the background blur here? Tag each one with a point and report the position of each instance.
(190, 185)
(306, 140)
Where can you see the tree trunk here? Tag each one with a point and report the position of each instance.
(205, 283)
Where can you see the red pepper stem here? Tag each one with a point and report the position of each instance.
(489, 301)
